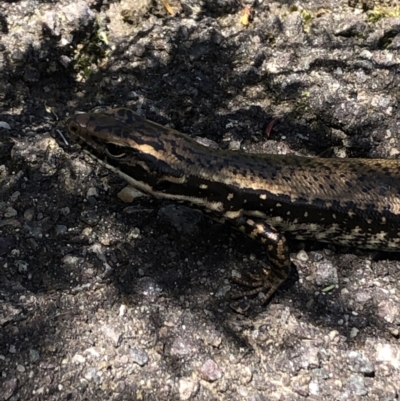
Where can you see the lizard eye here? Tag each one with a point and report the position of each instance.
(162, 186)
(114, 151)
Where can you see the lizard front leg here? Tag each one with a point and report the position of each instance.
(278, 253)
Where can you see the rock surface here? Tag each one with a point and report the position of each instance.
(100, 301)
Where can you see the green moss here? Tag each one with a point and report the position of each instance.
(378, 13)
(307, 17)
(91, 51)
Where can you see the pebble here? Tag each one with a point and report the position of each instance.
(139, 356)
(210, 371)
(10, 212)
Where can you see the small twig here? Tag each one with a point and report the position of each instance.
(62, 136)
(168, 7)
(268, 130)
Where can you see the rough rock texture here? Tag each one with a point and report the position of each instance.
(100, 300)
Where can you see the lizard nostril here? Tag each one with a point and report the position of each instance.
(72, 127)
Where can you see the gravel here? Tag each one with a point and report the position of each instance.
(122, 299)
